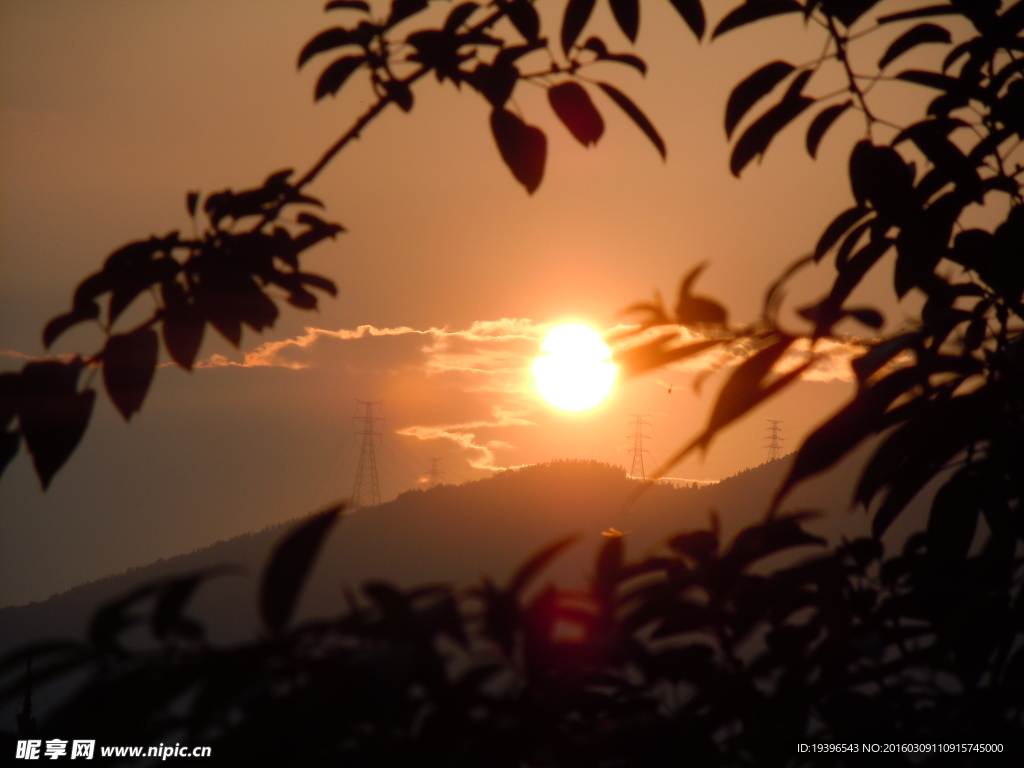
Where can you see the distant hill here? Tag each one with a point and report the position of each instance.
(453, 534)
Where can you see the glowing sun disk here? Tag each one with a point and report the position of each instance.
(576, 372)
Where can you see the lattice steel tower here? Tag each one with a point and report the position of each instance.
(434, 473)
(774, 447)
(638, 449)
(366, 490)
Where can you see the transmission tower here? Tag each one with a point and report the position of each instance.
(774, 441)
(434, 473)
(638, 449)
(366, 490)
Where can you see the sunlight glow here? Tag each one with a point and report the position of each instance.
(576, 372)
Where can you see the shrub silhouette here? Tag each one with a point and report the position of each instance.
(693, 654)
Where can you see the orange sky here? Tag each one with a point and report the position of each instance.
(110, 111)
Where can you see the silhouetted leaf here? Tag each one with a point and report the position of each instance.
(702, 546)
(494, 82)
(869, 317)
(575, 109)
(758, 136)
(167, 619)
(954, 519)
(288, 567)
(914, 453)
(746, 387)
(849, 243)
(135, 268)
(922, 33)
(191, 200)
(598, 47)
(10, 395)
(754, 10)
(10, 442)
(846, 11)
(332, 78)
(951, 85)
(355, 5)
(697, 310)
(878, 175)
(627, 16)
(821, 123)
(845, 429)
(523, 148)
(919, 13)
(923, 242)
(528, 571)
(837, 229)
(116, 616)
(129, 362)
(458, 15)
(87, 311)
(881, 353)
(400, 93)
(692, 13)
(183, 326)
(403, 9)
(752, 89)
(329, 39)
(524, 17)
(577, 12)
(679, 618)
(52, 413)
(759, 541)
(636, 115)
(658, 353)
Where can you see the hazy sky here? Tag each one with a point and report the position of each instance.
(449, 274)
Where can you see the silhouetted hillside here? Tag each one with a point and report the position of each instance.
(451, 534)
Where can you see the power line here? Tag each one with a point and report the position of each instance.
(638, 449)
(366, 490)
(774, 441)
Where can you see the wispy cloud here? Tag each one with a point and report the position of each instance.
(272, 353)
(465, 436)
(473, 386)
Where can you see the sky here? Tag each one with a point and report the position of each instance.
(449, 273)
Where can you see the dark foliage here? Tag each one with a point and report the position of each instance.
(944, 399)
(705, 653)
(699, 653)
(224, 277)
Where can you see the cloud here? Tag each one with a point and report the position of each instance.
(16, 354)
(271, 353)
(461, 435)
(471, 389)
(495, 348)
(442, 355)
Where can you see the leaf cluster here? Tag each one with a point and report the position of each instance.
(700, 652)
(487, 47)
(944, 397)
(226, 276)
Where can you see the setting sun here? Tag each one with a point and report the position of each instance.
(576, 371)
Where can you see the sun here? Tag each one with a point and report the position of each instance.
(576, 372)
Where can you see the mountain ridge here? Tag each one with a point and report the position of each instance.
(449, 533)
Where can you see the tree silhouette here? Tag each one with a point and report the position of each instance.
(695, 653)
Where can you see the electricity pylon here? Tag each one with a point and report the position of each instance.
(434, 473)
(774, 447)
(366, 490)
(638, 449)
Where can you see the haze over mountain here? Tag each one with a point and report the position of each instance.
(454, 534)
